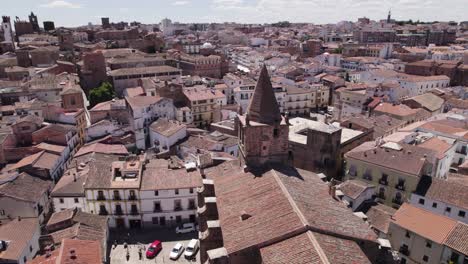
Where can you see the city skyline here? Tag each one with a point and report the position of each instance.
(71, 13)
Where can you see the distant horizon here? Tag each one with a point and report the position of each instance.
(76, 13)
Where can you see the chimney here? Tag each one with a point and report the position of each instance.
(19, 218)
(74, 176)
(247, 120)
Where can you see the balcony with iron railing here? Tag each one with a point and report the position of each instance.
(367, 177)
(383, 181)
(118, 212)
(178, 208)
(397, 201)
(133, 212)
(132, 197)
(101, 198)
(117, 198)
(400, 187)
(381, 196)
(103, 212)
(462, 151)
(404, 250)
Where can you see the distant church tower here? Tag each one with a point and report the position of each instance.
(263, 132)
(389, 17)
(34, 22)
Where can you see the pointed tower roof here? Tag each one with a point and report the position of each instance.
(263, 107)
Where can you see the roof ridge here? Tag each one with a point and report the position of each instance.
(315, 243)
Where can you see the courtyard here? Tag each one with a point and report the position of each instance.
(139, 240)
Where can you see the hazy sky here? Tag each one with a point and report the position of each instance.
(80, 12)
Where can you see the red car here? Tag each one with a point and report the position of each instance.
(154, 249)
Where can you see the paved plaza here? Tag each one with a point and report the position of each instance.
(138, 240)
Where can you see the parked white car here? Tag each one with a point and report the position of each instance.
(176, 251)
(186, 228)
(192, 248)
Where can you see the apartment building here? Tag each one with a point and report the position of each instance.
(114, 191)
(22, 195)
(447, 197)
(298, 101)
(168, 194)
(424, 237)
(202, 102)
(143, 111)
(394, 169)
(128, 77)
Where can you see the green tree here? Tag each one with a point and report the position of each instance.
(100, 94)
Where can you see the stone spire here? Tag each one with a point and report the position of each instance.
(263, 107)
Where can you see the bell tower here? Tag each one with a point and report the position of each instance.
(263, 132)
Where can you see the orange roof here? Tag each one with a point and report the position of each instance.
(438, 145)
(102, 148)
(424, 223)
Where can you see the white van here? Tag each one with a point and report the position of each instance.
(192, 248)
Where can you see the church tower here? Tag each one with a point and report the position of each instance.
(34, 22)
(263, 132)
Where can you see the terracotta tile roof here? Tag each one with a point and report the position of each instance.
(108, 105)
(201, 92)
(438, 145)
(458, 238)
(411, 159)
(42, 160)
(102, 148)
(341, 251)
(167, 127)
(46, 259)
(451, 127)
(379, 217)
(143, 70)
(135, 91)
(382, 124)
(85, 226)
(263, 107)
(19, 232)
(300, 200)
(429, 101)
(436, 189)
(296, 250)
(143, 101)
(424, 223)
(354, 188)
(98, 170)
(86, 251)
(61, 216)
(70, 185)
(395, 110)
(25, 187)
(56, 149)
(30, 118)
(158, 176)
